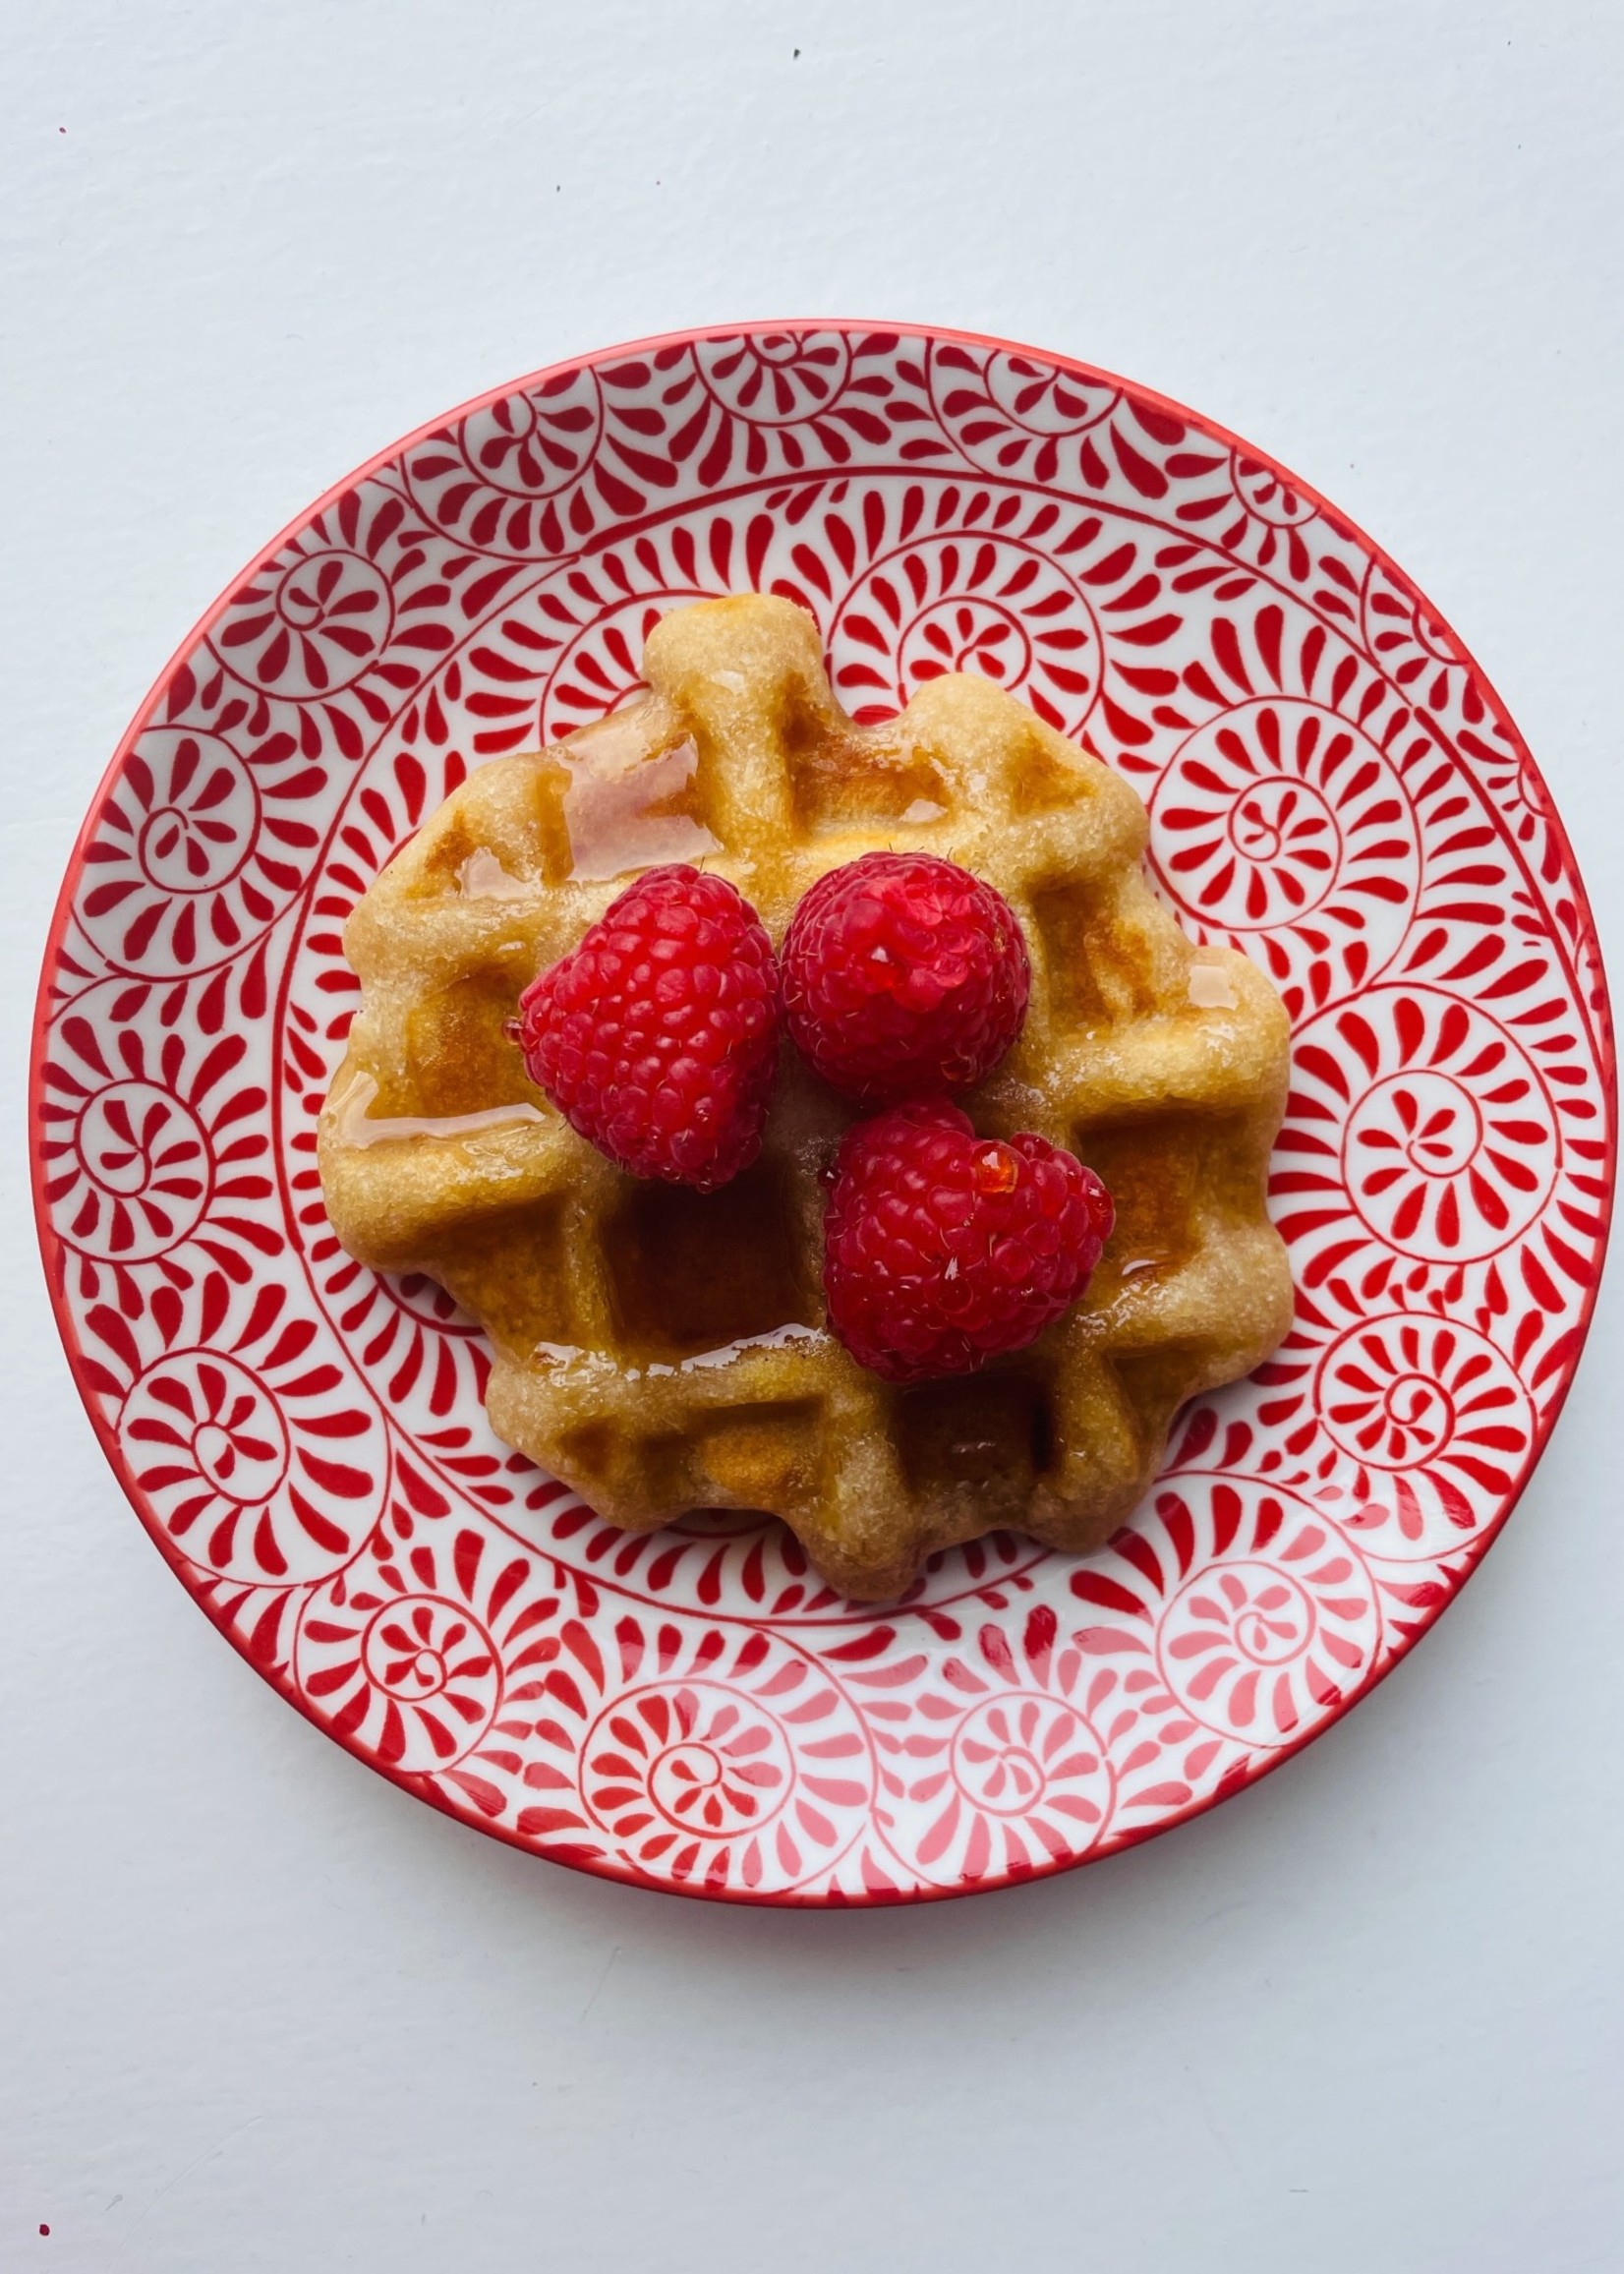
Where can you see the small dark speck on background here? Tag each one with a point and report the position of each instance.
(43, 2229)
(797, 55)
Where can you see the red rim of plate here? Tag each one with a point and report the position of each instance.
(419, 1788)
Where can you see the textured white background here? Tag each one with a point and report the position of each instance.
(259, 2012)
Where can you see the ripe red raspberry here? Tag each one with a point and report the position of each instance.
(904, 975)
(657, 1037)
(943, 1250)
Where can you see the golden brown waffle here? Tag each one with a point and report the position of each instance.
(661, 1350)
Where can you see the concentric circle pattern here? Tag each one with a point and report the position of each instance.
(1333, 789)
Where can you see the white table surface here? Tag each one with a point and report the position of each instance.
(258, 2009)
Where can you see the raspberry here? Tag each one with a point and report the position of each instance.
(657, 1037)
(903, 976)
(943, 1250)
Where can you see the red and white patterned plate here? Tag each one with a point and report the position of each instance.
(1333, 787)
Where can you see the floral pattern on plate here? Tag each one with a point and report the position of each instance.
(1332, 786)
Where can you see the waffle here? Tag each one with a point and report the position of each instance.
(661, 1351)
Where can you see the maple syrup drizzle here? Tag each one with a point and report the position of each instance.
(354, 1124)
(701, 1361)
(481, 877)
(778, 1338)
(1210, 986)
(619, 806)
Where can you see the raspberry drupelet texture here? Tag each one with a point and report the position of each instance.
(903, 976)
(658, 1036)
(943, 1250)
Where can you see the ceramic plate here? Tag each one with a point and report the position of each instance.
(1334, 787)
